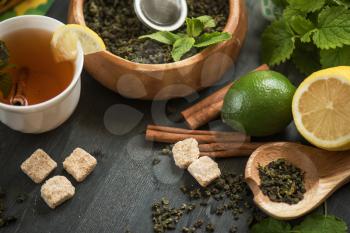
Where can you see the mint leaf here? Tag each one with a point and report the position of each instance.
(208, 39)
(277, 43)
(271, 225)
(194, 27)
(306, 58)
(307, 5)
(181, 47)
(162, 37)
(322, 224)
(302, 27)
(290, 12)
(207, 21)
(335, 57)
(280, 3)
(345, 3)
(333, 28)
(4, 55)
(306, 38)
(5, 84)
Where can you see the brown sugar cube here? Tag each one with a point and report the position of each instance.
(204, 170)
(57, 190)
(79, 164)
(185, 152)
(38, 166)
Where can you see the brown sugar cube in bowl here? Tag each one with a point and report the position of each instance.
(57, 190)
(38, 166)
(204, 170)
(185, 152)
(79, 164)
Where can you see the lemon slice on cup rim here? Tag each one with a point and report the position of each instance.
(321, 108)
(65, 39)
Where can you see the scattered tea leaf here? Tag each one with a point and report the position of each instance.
(21, 198)
(208, 39)
(155, 161)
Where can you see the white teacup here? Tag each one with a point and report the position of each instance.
(50, 114)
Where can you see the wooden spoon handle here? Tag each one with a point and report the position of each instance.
(75, 12)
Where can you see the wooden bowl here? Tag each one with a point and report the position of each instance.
(171, 80)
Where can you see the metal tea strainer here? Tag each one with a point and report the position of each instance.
(161, 15)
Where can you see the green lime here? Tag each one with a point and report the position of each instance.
(259, 103)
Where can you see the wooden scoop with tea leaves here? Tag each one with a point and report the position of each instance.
(324, 173)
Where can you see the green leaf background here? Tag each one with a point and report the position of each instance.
(323, 24)
(277, 42)
(307, 5)
(40, 10)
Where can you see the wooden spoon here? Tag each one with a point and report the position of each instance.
(325, 172)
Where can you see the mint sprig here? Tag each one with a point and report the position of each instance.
(195, 36)
(324, 24)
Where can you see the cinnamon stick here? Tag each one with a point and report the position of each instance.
(231, 146)
(226, 153)
(173, 135)
(226, 150)
(209, 108)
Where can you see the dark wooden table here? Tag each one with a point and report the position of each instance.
(118, 195)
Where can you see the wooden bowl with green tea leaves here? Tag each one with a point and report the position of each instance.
(142, 68)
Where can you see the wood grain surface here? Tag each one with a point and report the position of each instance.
(118, 195)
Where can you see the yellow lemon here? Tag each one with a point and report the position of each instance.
(65, 39)
(321, 108)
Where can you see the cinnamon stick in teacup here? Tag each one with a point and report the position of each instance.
(19, 98)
